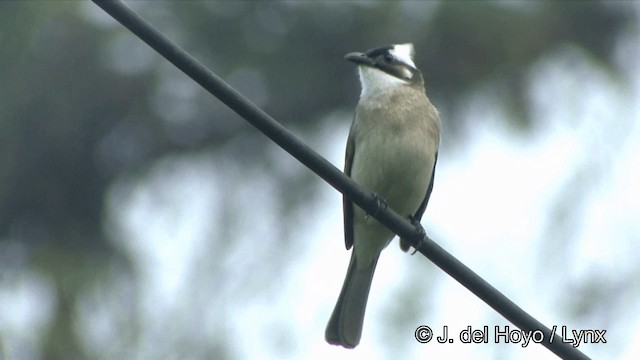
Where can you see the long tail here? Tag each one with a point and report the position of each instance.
(345, 324)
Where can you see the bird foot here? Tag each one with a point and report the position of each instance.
(381, 204)
(420, 230)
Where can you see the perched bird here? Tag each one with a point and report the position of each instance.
(392, 151)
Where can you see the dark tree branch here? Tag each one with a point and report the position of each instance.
(323, 168)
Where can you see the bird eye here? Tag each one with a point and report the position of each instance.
(388, 58)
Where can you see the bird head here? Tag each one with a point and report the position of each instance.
(385, 67)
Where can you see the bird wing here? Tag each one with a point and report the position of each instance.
(423, 206)
(347, 205)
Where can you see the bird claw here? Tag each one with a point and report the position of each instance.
(381, 204)
(421, 232)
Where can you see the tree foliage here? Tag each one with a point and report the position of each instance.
(84, 104)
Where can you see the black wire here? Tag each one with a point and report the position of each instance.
(323, 168)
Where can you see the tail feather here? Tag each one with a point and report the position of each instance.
(345, 324)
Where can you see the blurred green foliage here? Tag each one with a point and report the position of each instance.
(83, 102)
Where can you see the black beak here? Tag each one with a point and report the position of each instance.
(359, 58)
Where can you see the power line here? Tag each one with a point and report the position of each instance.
(323, 168)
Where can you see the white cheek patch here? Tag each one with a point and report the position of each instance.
(404, 53)
(406, 73)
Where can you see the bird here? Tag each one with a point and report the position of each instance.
(392, 151)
